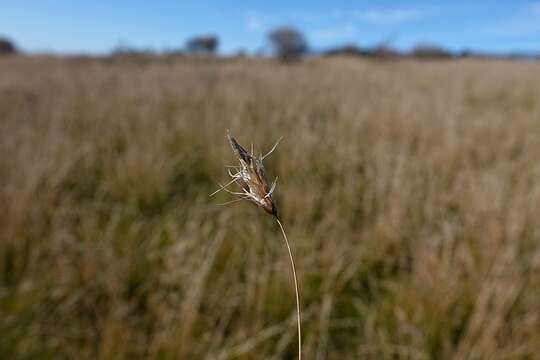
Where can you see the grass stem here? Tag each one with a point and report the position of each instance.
(296, 291)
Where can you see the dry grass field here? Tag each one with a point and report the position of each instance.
(410, 191)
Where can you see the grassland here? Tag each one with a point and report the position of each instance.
(410, 191)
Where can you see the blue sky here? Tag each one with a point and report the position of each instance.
(74, 26)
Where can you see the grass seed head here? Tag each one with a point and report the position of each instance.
(251, 177)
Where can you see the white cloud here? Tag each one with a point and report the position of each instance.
(339, 22)
(525, 23)
(310, 16)
(390, 16)
(376, 16)
(513, 28)
(535, 8)
(255, 23)
(259, 21)
(334, 32)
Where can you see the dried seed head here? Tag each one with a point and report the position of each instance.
(251, 177)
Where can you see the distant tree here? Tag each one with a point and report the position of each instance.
(7, 47)
(175, 52)
(261, 52)
(288, 43)
(384, 52)
(465, 53)
(241, 53)
(348, 49)
(125, 49)
(207, 44)
(427, 50)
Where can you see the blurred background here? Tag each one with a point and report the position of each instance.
(409, 179)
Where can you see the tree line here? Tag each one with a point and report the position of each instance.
(289, 44)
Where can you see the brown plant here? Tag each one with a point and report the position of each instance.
(251, 177)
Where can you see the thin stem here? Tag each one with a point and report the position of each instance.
(296, 291)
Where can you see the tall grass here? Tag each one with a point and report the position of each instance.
(413, 193)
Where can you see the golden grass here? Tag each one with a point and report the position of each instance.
(413, 194)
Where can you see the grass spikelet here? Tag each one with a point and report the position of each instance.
(250, 176)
